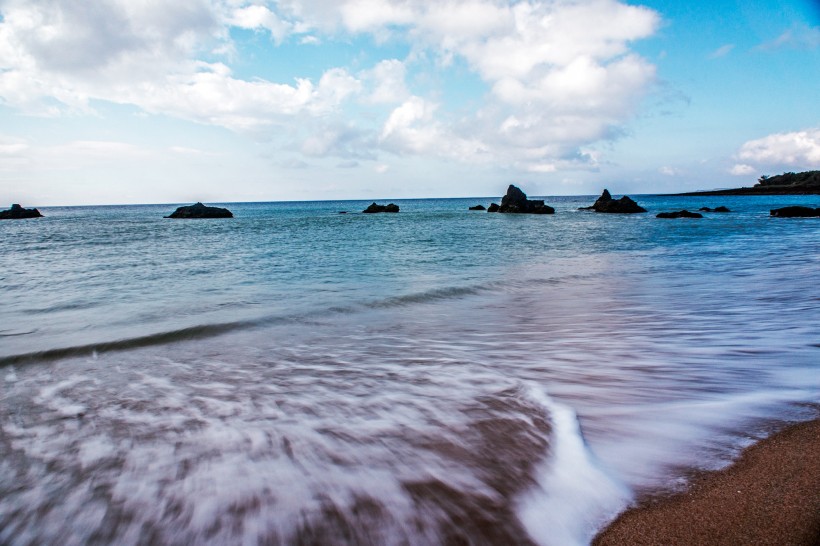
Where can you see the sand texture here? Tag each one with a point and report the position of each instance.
(770, 495)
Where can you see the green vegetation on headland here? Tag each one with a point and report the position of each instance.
(805, 183)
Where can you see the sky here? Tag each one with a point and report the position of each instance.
(149, 101)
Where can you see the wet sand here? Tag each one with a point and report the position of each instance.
(770, 495)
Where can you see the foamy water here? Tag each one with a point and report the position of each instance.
(434, 377)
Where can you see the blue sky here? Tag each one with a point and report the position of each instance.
(115, 101)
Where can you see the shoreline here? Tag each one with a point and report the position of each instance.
(769, 495)
(746, 191)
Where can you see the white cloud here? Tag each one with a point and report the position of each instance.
(388, 81)
(12, 147)
(797, 37)
(373, 15)
(742, 169)
(412, 128)
(800, 149)
(185, 150)
(669, 171)
(722, 51)
(559, 74)
(260, 17)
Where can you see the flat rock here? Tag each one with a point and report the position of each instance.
(716, 209)
(478, 207)
(624, 205)
(516, 202)
(795, 212)
(679, 214)
(16, 212)
(374, 208)
(200, 211)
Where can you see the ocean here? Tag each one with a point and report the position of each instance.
(437, 376)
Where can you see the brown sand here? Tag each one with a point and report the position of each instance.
(771, 495)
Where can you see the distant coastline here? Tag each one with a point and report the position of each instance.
(804, 183)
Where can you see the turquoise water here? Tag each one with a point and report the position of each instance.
(296, 375)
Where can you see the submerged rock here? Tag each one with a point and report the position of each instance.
(795, 212)
(716, 209)
(374, 208)
(493, 207)
(16, 212)
(200, 211)
(679, 214)
(606, 203)
(516, 202)
(478, 207)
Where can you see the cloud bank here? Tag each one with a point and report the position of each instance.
(556, 76)
(780, 151)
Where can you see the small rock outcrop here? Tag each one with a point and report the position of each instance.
(716, 209)
(478, 207)
(16, 212)
(200, 211)
(493, 207)
(606, 203)
(679, 214)
(374, 208)
(516, 202)
(795, 212)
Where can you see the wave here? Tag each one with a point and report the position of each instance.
(160, 338)
(204, 331)
(453, 292)
(574, 496)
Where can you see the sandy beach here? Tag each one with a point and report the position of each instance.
(770, 495)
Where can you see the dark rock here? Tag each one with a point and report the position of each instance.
(16, 212)
(478, 207)
(381, 208)
(516, 202)
(342, 212)
(679, 214)
(716, 209)
(606, 203)
(493, 207)
(795, 212)
(200, 211)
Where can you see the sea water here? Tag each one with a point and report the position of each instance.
(437, 376)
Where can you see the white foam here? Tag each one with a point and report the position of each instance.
(575, 496)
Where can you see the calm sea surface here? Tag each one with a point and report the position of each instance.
(437, 376)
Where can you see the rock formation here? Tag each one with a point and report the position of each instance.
(716, 209)
(679, 214)
(606, 203)
(478, 207)
(16, 212)
(493, 207)
(795, 212)
(516, 202)
(381, 208)
(200, 211)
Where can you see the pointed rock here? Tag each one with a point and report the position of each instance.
(516, 202)
(606, 203)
